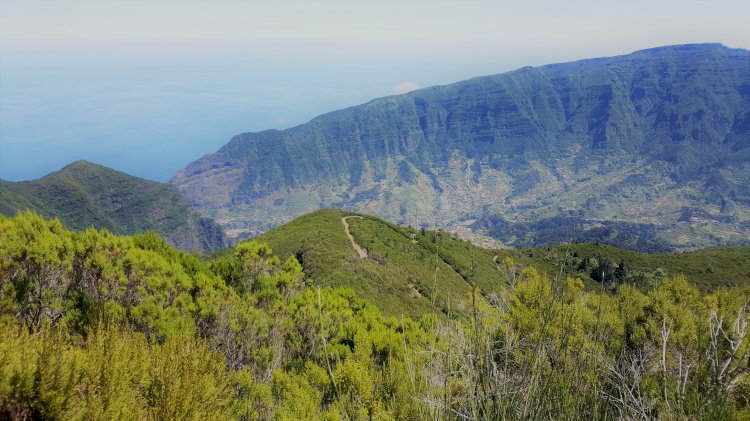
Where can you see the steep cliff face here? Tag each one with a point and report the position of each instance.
(84, 194)
(594, 140)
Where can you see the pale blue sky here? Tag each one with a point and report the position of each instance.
(148, 86)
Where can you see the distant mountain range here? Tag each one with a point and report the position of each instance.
(84, 194)
(649, 151)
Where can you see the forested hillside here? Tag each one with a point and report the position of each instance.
(94, 326)
(537, 156)
(707, 269)
(84, 194)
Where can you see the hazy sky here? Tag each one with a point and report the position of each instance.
(148, 86)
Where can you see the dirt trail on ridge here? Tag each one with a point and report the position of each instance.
(360, 251)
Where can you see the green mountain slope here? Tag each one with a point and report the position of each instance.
(404, 271)
(577, 148)
(84, 194)
(398, 274)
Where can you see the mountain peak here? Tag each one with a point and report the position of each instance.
(83, 166)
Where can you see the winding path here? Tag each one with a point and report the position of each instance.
(360, 251)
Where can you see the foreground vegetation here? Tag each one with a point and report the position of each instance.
(96, 326)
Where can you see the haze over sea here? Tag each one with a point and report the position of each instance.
(136, 87)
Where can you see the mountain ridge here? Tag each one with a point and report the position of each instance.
(84, 194)
(591, 139)
(407, 270)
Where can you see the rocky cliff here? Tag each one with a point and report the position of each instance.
(655, 142)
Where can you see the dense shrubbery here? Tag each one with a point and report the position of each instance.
(96, 326)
